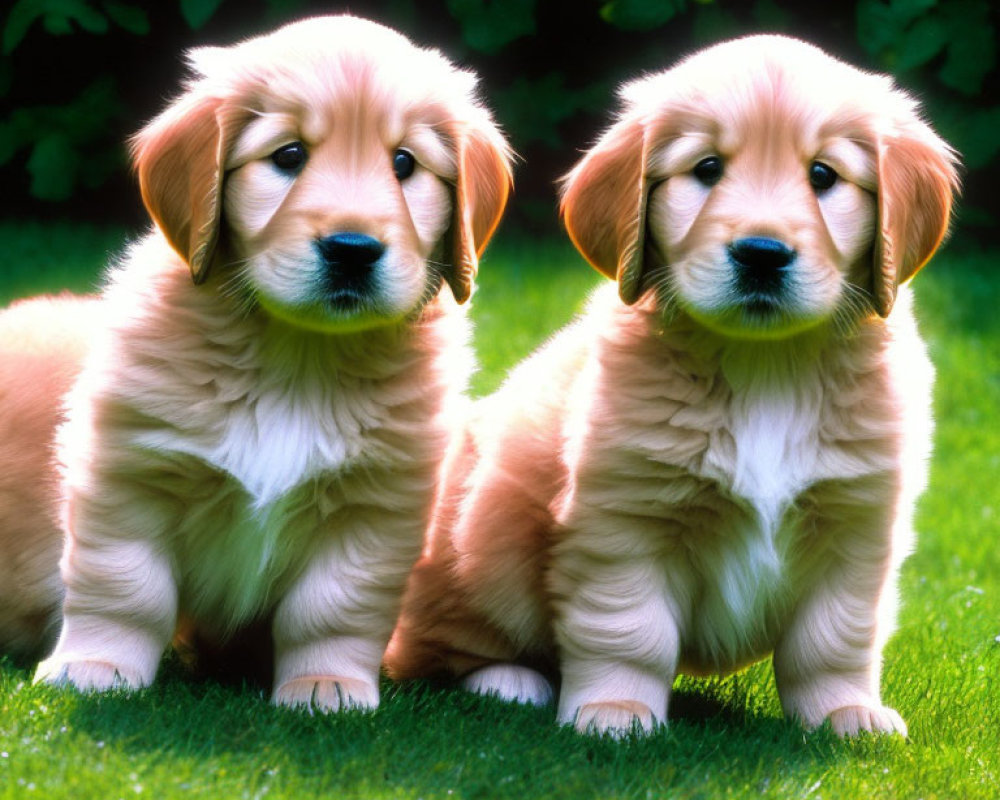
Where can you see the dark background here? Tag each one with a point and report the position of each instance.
(77, 77)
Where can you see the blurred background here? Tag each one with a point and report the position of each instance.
(77, 77)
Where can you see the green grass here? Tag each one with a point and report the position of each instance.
(182, 738)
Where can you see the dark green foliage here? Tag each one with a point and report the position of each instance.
(488, 25)
(641, 15)
(948, 50)
(67, 143)
(78, 76)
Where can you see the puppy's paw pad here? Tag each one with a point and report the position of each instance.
(327, 694)
(510, 682)
(616, 718)
(853, 720)
(88, 676)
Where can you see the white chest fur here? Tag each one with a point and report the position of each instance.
(765, 456)
(276, 442)
(271, 438)
(775, 438)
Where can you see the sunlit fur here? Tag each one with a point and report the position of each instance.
(41, 348)
(237, 451)
(672, 484)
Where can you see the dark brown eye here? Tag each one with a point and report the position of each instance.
(821, 176)
(708, 171)
(403, 164)
(290, 157)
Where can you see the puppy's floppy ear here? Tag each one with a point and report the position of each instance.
(917, 179)
(604, 206)
(483, 185)
(180, 158)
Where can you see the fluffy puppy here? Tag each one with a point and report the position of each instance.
(42, 345)
(722, 463)
(261, 442)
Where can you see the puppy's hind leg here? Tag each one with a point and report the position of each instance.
(511, 682)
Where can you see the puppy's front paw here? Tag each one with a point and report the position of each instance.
(615, 717)
(852, 720)
(88, 676)
(327, 694)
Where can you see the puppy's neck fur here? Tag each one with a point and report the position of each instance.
(294, 403)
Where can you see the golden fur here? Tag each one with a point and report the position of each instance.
(709, 471)
(261, 443)
(42, 345)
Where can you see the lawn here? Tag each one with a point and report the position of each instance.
(183, 739)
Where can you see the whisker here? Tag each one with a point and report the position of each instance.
(238, 287)
(854, 304)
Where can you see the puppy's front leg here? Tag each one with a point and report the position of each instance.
(120, 608)
(618, 641)
(828, 662)
(332, 628)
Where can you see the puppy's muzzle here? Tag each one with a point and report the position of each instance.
(349, 259)
(762, 267)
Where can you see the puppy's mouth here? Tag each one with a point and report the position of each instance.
(760, 315)
(763, 307)
(348, 301)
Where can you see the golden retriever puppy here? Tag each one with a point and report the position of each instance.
(42, 345)
(262, 442)
(722, 464)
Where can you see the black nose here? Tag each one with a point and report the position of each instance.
(349, 258)
(761, 263)
(350, 250)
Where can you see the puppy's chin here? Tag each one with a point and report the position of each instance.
(756, 318)
(341, 314)
(754, 324)
(743, 304)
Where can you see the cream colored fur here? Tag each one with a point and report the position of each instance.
(42, 344)
(676, 482)
(236, 448)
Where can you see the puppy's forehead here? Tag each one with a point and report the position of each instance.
(771, 85)
(324, 67)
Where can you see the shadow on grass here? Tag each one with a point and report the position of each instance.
(432, 742)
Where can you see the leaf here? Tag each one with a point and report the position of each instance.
(924, 40)
(979, 143)
(768, 14)
(19, 21)
(488, 25)
(906, 11)
(970, 130)
(878, 29)
(58, 17)
(131, 18)
(57, 24)
(90, 19)
(282, 10)
(712, 23)
(533, 108)
(972, 48)
(197, 12)
(641, 15)
(52, 165)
